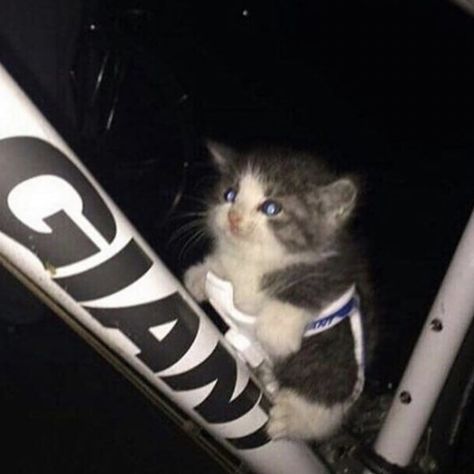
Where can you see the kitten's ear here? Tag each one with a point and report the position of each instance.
(221, 155)
(338, 198)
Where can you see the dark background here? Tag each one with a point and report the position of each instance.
(382, 89)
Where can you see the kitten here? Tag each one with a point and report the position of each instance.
(279, 223)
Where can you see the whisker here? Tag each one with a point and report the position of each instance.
(197, 199)
(191, 243)
(185, 215)
(181, 231)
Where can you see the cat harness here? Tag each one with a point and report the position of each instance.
(241, 332)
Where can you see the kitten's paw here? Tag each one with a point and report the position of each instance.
(279, 329)
(277, 343)
(248, 303)
(292, 416)
(195, 281)
(280, 424)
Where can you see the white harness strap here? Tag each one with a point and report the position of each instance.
(241, 326)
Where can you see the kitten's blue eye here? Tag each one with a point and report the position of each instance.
(230, 195)
(270, 208)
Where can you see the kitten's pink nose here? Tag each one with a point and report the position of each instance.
(234, 219)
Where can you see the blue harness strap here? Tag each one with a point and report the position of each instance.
(347, 306)
(320, 324)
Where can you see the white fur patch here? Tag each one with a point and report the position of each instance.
(292, 416)
(251, 190)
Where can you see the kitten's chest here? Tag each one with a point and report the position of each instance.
(245, 277)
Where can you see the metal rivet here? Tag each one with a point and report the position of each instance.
(184, 97)
(405, 397)
(428, 463)
(436, 325)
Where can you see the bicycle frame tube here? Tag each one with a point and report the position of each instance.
(63, 236)
(443, 333)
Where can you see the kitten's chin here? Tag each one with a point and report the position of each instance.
(228, 232)
(236, 233)
(235, 238)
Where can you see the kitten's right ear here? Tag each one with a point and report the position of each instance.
(221, 155)
(338, 199)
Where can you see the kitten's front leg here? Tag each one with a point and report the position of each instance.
(267, 377)
(279, 328)
(195, 279)
(294, 416)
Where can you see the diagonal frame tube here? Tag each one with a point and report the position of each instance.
(131, 308)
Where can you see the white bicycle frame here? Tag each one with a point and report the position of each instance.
(69, 243)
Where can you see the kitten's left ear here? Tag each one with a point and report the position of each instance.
(221, 155)
(338, 198)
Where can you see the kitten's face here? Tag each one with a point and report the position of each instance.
(278, 205)
(243, 213)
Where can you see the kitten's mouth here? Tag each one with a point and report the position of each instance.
(235, 230)
(239, 233)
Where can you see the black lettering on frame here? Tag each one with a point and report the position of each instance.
(135, 322)
(221, 367)
(24, 158)
(252, 440)
(110, 276)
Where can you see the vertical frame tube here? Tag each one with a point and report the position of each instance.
(68, 240)
(437, 347)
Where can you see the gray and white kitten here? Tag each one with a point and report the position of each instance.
(279, 223)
